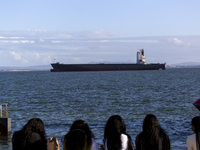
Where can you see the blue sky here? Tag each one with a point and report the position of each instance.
(36, 32)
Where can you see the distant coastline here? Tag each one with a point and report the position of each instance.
(30, 68)
(183, 66)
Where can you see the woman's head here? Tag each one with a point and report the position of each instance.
(152, 136)
(196, 129)
(83, 125)
(34, 125)
(150, 121)
(196, 124)
(115, 124)
(75, 140)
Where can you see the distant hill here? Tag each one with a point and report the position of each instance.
(185, 64)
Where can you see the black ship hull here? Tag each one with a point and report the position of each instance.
(57, 67)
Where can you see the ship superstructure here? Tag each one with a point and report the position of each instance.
(141, 57)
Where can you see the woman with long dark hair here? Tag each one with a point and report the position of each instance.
(193, 141)
(115, 136)
(153, 136)
(31, 137)
(75, 140)
(84, 127)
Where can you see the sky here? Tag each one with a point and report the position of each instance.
(91, 31)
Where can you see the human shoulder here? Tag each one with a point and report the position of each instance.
(124, 140)
(124, 137)
(94, 145)
(191, 138)
(191, 142)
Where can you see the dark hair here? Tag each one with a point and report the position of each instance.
(75, 140)
(34, 127)
(196, 129)
(83, 125)
(153, 136)
(115, 126)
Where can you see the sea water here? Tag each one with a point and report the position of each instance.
(60, 98)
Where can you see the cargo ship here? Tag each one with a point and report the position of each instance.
(139, 65)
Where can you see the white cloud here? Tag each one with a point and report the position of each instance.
(104, 41)
(175, 41)
(178, 42)
(17, 41)
(19, 57)
(98, 34)
(16, 55)
(1, 37)
(57, 41)
(28, 57)
(93, 46)
(27, 41)
(35, 55)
